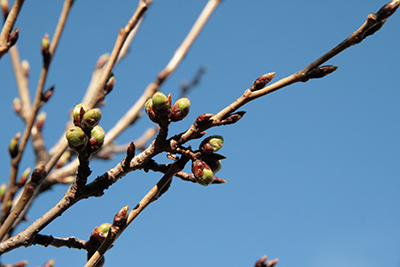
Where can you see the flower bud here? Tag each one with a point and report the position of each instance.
(121, 216)
(5, 7)
(91, 118)
(13, 147)
(3, 189)
(100, 233)
(17, 105)
(202, 119)
(13, 37)
(211, 144)
(38, 172)
(96, 138)
(25, 67)
(63, 159)
(262, 81)
(77, 139)
(321, 71)
(40, 121)
(387, 10)
(161, 103)
(180, 109)
(20, 264)
(148, 107)
(68, 180)
(46, 95)
(46, 49)
(78, 112)
(202, 172)
(102, 60)
(233, 118)
(109, 84)
(24, 177)
(215, 165)
(49, 263)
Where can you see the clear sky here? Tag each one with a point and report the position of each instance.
(312, 169)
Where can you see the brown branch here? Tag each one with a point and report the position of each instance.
(152, 195)
(8, 26)
(49, 240)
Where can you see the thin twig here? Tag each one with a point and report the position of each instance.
(8, 26)
(146, 200)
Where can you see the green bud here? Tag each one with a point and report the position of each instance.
(161, 103)
(180, 109)
(96, 138)
(148, 107)
(3, 189)
(77, 113)
(38, 172)
(13, 146)
(77, 139)
(91, 118)
(211, 144)
(202, 173)
(24, 177)
(100, 233)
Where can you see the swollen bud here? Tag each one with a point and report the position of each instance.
(3, 189)
(24, 177)
(161, 103)
(38, 172)
(387, 10)
(17, 105)
(13, 146)
(91, 118)
(25, 67)
(215, 165)
(100, 233)
(77, 139)
(202, 172)
(13, 37)
(211, 144)
(262, 81)
(121, 216)
(40, 121)
(96, 138)
(49, 263)
(180, 109)
(45, 47)
(78, 112)
(148, 107)
(46, 95)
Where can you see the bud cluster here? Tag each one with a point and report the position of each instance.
(203, 169)
(86, 134)
(159, 107)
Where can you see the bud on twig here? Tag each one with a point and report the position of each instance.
(121, 216)
(102, 60)
(49, 263)
(161, 104)
(387, 10)
(68, 180)
(46, 95)
(77, 139)
(96, 138)
(180, 109)
(25, 67)
(211, 144)
(78, 112)
(3, 189)
(63, 159)
(41, 118)
(109, 84)
(46, 49)
(374, 28)
(148, 107)
(202, 119)
(262, 81)
(38, 172)
(263, 263)
(17, 105)
(5, 8)
(20, 264)
(321, 71)
(233, 118)
(24, 177)
(215, 165)
(12, 39)
(13, 147)
(100, 233)
(91, 118)
(202, 172)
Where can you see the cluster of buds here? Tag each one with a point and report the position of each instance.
(210, 163)
(86, 134)
(159, 107)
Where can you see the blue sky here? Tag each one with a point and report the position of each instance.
(312, 169)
